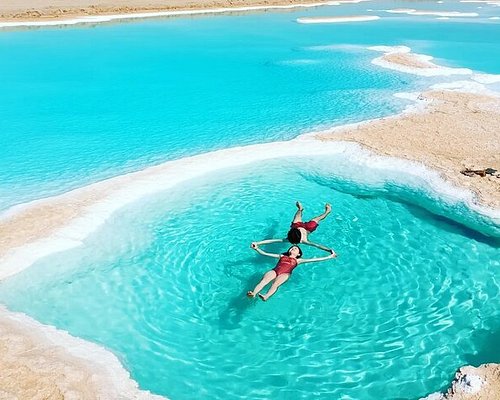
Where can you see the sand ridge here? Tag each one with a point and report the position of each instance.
(40, 362)
(458, 130)
(45, 11)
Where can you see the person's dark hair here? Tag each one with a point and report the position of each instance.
(287, 253)
(294, 235)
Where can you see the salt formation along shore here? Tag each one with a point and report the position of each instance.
(333, 20)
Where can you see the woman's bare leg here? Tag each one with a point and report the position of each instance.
(268, 277)
(298, 215)
(328, 209)
(280, 280)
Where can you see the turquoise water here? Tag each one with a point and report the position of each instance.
(81, 104)
(414, 293)
(411, 297)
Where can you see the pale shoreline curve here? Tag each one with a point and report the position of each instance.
(400, 58)
(488, 2)
(50, 363)
(92, 14)
(412, 11)
(179, 13)
(333, 20)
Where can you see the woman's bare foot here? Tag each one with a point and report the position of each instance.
(328, 208)
(299, 206)
(250, 294)
(264, 298)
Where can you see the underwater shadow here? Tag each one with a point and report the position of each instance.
(449, 225)
(419, 205)
(230, 318)
(488, 345)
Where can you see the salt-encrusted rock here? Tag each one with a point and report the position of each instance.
(468, 383)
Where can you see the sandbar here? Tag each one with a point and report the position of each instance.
(333, 20)
(412, 11)
(44, 12)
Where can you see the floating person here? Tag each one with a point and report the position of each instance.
(280, 274)
(299, 230)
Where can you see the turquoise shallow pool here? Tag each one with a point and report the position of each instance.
(411, 297)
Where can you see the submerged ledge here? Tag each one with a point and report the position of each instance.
(45, 362)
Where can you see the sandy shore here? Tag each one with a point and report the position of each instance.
(39, 362)
(457, 130)
(45, 10)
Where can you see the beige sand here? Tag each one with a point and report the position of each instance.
(489, 376)
(39, 10)
(33, 367)
(408, 60)
(458, 130)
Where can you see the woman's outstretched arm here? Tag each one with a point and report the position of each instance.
(268, 241)
(317, 245)
(317, 259)
(255, 246)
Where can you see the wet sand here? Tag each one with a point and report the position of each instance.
(39, 362)
(457, 130)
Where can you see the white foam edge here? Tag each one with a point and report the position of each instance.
(434, 70)
(333, 20)
(467, 87)
(486, 79)
(490, 3)
(412, 11)
(107, 372)
(157, 179)
(108, 18)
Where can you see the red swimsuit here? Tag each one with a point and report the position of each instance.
(285, 265)
(309, 226)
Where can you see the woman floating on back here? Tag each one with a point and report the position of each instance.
(280, 274)
(288, 261)
(299, 230)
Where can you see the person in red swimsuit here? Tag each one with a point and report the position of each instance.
(299, 230)
(287, 262)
